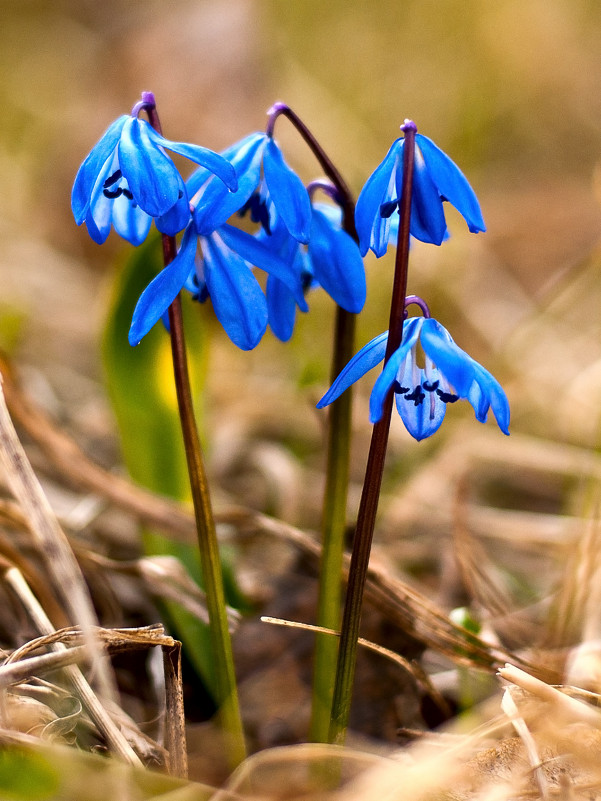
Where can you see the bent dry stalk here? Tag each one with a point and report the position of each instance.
(347, 653)
(333, 523)
(227, 692)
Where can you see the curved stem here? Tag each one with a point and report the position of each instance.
(347, 654)
(346, 201)
(226, 688)
(333, 523)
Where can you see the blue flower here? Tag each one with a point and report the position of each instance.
(257, 153)
(128, 179)
(423, 393)
(224, 274)
(435, 179)
(330, 260)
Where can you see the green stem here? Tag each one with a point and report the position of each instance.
(333, 524)
(347, 652)
(226, 688)
(333, 528)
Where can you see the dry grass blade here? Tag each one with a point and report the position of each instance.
(81, 472)
(396, 600)
(39, 665)
(419, 675)
(564, 706)
(165, 577)
(407, 607)
(21, 666)
(175, 729)
(90, 700)
(508, 706)
(60, 560)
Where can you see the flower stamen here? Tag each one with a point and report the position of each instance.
(447, 397)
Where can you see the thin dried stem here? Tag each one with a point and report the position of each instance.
(54, 545)
(95, 707)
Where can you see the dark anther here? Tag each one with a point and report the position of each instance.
(128, 194)
(112, 179)
(112, 194)
(417, 396)
(306, 279)
(447, 397)
(387, 208)
(258, 211)
(430, 387)
(264, 218)
(399, 389)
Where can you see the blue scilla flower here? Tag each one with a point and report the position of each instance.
(422, 394)
(128, 179)
(331, 260)
(435, 179)
(261, 172)
(218, 266)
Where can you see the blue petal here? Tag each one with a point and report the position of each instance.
(425, 419)
(368, 357)
(451, 183)
(287, 192)
(162, 290)
(427, 215)
(453, 362)
(150, 173)
(213, 162)
(259, 255)
(281, 308)
(130, 221)
(379, 188)
(411, 331)
(92, 166)
(99, 232)
(331, 211)
(100, 210)
(487, 392)
(337, 263)
(237, 154)
(237, 298)
(178, 216)
(215, 204)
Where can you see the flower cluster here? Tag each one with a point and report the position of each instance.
(422, 393)
(128, 180)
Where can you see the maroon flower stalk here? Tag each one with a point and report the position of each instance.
(226, 689)
(347, 653)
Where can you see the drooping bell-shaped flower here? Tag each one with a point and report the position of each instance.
(128, 179)
(423, 393)
(218, 266)
(261, 171)
(436, 179)
(330, 260)
(215, 259)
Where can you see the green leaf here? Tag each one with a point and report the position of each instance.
(142, 390)
(27, 775)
